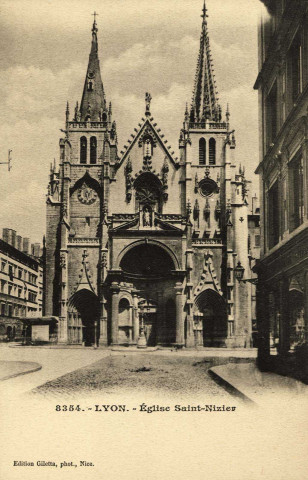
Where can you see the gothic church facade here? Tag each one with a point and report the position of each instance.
(143, 242)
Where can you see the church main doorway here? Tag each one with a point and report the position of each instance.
(149, 268)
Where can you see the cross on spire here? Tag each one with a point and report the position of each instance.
(95, 15)
(204, 12)
(94, 28)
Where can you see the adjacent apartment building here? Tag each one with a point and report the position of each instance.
(21, 283)
(283, 269)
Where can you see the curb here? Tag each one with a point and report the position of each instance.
(230, 388)
(31, 370)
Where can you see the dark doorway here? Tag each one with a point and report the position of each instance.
(88, 307)
(9, 332)
(214, 322)
(170, 321)
(150, 328)
(150, 268)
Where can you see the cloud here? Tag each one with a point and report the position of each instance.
(151, 47)
(30, 92)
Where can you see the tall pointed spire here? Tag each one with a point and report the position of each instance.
(93, 102)
(205, 98)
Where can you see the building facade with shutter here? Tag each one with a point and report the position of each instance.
(283, 270)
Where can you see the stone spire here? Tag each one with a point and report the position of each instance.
(93, 103)
(205, 98)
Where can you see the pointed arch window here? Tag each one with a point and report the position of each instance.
(83, 150)
(93, 150)
(202, 151)
(90, 86)
(212, 151)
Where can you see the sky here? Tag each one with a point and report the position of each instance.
(144, 46)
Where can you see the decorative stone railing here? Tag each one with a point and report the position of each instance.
(93, 125)
(82, 241)
(206, 241)
(208, 125)
(170, 217)
(123, 216)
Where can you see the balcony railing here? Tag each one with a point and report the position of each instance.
(206, 241)
(208, 125)
(88, 125)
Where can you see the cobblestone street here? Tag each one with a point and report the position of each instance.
(162, 374)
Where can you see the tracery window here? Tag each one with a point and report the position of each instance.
(93, 150)
(83, 150)
(148, 192)
(202, 151)
(212, 151)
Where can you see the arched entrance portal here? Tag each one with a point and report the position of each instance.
(214, 318)
(83, 316)
(148, 267)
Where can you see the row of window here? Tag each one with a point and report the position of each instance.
(16, 272)
(285, 90)
(84, 150)
(10, 310)
(203, 152)
(282, 213)
(16, 291)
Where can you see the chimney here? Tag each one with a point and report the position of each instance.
(36, 249)
(25, 245)
(5, 235)
(19, 243)
(9, 236)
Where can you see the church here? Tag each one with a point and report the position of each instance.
(144, 246)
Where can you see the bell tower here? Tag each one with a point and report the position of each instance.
(215, 201)
(76, 209)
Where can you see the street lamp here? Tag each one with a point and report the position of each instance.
(239, 271)
(239, 274)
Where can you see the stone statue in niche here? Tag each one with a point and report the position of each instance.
(128, 180)
(165, 171)
(62, 261)
(147, 148)
(147, 216)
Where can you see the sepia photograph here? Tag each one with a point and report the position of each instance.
(154, 239)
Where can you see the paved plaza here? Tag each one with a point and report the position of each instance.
(70, 371)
